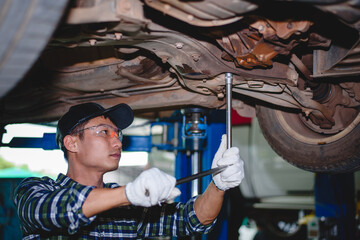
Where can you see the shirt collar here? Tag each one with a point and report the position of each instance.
(64, 181)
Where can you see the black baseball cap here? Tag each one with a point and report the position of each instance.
(121, 115)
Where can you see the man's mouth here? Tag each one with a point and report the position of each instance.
(115, 155)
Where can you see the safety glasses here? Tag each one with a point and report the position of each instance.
(104, 130)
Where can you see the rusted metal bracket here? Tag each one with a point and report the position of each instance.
(308, 103)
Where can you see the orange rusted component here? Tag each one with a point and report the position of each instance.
(248, 51)
(257, 46)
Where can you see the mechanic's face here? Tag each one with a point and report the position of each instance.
(97, 150)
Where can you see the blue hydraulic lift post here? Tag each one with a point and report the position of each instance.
(216, 127)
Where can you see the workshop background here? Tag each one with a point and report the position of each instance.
(295, 65)
(275, 200)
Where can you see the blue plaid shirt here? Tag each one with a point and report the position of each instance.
(51, 209)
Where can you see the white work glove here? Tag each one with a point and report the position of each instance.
(151, 187)
(234, 173)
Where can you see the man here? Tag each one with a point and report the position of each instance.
(79, 205)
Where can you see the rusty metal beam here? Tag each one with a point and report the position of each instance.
(140, 103)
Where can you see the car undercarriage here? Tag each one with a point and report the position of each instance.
(295, 65)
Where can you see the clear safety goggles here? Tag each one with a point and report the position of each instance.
(104, 130)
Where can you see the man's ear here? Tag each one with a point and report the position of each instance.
(70, 142)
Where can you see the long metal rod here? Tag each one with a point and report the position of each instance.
(228, 82)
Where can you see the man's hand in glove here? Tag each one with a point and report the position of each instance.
(234, 173)
(151, 187)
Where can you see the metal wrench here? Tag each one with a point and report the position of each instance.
(200, 175)
(228, 83)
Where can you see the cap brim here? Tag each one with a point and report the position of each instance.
(121, 115)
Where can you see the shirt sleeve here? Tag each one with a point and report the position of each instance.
(43, 207)
(175, 219)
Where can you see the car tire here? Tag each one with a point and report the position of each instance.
(25, 29)
(307, 149)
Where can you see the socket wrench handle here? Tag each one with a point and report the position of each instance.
(200, 175)
(228, 83)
